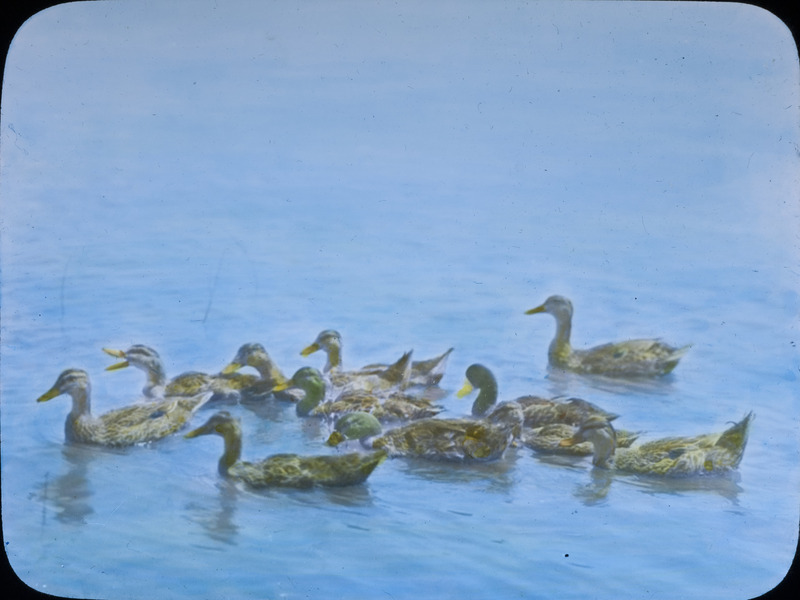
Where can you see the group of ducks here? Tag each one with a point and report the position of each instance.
(391, 410)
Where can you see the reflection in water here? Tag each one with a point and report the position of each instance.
(69, 494)
(218, 521)
(564, 383)
(315, 428)
(724, 484)
(595, 492)
(268, 410)
(350, 496)
(497, 475)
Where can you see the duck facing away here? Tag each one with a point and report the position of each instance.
(186, 384)
(285, 470)
(631, 358)
(141, 422)
(482, 438)
(702, 454)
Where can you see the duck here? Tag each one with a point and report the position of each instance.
(631, 358)
(424, 373)
(369, 377)
(285, 470)
(484, 437)
(546, 411)
(387, 407)
(546, 439)
(672, 456)
(139, 423)
(186, 384)
(270, 376)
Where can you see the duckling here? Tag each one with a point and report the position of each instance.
(285, 470)
(186, 384)
(702, 454)
(483, 438)
(142, 422)
(391, 406)
(371, 377)
(631, 358)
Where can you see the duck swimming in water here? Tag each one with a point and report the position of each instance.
(388, 406)
(186, 384)
(482, 438)
(424, 373)
(547, 439)
(369, 378)
(270, 376)
(141, 422)
(701, 454)
(285, 470)
(631, 358)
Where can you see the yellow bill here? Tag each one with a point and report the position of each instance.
(465, 389)
(309, 349)
(116, 354)
(533, 311)
(231, 368)
(49, 395)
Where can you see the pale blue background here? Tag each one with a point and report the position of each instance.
(196, 175)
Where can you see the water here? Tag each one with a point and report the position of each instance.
(211, 178)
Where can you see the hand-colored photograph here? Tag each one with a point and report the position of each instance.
(358, 300)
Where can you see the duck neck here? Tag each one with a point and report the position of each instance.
(233, 448)
(560, 347)
(81, 409)
(156, 377)
(334, 358)
(267, 369)
(487, 396)
(314, 393)
(604, 442)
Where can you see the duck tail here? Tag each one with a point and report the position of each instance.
(400, 370)
(671, 361)
(433, 367)
(734, 439)
(362, 466)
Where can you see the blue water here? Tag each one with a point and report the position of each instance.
(415, 176)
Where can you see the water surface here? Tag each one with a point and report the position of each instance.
(414, 176)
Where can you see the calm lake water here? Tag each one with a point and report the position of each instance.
(414, 176)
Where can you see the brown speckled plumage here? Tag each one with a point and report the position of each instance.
(286, 470)
(141, 422)
(701, 454)
(631, 358)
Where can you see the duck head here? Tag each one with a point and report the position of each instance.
(597, 430)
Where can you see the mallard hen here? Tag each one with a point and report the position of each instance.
(285, 470)
(371, 377)
(190, 383)
(141, 422)
(701, 454)
(631, 358)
